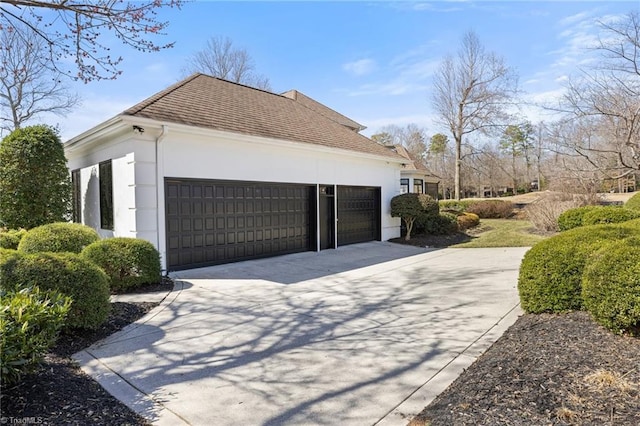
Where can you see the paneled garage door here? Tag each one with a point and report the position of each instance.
(358, 214)
(214, 222)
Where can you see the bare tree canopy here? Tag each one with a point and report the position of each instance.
(472, 92)
(603, 127)
(220, 58)
(75, 29)
(28, 87)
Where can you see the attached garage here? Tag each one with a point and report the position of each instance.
(212, 222)
(213, 172)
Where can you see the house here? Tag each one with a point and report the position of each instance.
(415, 177)
(212, 172)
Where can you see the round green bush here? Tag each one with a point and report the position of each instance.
(85, 283)
(633, 203)
(611, 286)
(468, 220)
(551, 272)
(128, 262)
(10, 239)
(572, 218)
(608, 214)
(58, 237)
(442, 224)
(30, 320)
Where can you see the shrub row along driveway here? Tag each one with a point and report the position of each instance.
(364, 334)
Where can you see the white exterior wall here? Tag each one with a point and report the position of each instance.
(139, 182)
(123, 152)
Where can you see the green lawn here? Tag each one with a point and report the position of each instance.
(502, 233)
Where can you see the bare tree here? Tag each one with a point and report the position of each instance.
(472, 92)
(220, 58)
(604, 103)
(28, 87)
(75, 29)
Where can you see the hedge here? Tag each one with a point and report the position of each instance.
(491, 209)
(572, 218)
(58, 237)
(85, 283)
(609, 214)
(550, 278)
(128, 262)
(10, 239)
(611, 286)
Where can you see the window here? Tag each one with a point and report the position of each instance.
(404, 186)
(76, 196)
(417, 186)
(106, 195)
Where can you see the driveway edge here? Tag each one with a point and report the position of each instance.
(440, 381)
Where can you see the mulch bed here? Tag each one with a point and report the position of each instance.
(546, 370)
(59, 392)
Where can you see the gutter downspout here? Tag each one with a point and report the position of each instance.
(159, 139)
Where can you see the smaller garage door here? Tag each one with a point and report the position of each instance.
(358, 214)
(214, 222)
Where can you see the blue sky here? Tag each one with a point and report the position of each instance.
(371, 61)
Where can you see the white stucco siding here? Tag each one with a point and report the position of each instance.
(125, 175)
(200, 157)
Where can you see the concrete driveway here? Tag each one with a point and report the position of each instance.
(366, 334)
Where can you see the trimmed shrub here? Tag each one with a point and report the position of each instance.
(128, 262)
(413, 208)
(611, 286)
(458, 205)
(551, 272)
(492, 209)
(608, 214)
(8, 259)
(30, 320)
(443, 224)
(633, 203)
(58, 237)
(11, 238)
(35, 184)
(572, 218)
(85, 283)
(467, 220)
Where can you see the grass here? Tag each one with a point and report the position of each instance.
(502, 233)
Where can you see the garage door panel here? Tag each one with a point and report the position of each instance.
(212, 222)
(358, 214)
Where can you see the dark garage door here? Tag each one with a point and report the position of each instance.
(358, 214)
(214, 222)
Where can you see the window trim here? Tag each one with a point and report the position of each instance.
(105, 176)
(404, 186)
(418, 183)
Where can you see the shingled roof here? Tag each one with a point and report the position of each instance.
(323, 109)
(208, 102)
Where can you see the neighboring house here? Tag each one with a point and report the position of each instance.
(414, 176)
(211, 172)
